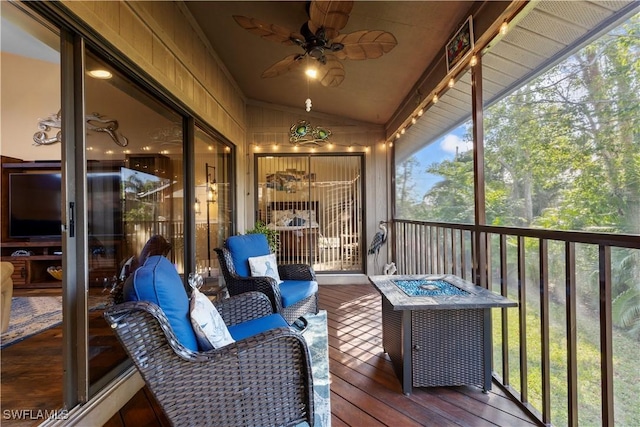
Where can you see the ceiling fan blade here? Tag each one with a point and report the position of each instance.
(331, 73)
(283, 66)
(332, 15)
(365, 44)
(273, 32)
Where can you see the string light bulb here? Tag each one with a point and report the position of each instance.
(435, 98)
(504, 27)
(420, 112)
(451, 82)
(474, 61)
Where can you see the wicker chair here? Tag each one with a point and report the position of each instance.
(237, 284)
(263, 380)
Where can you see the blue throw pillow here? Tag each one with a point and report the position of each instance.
(157, 281)
(243, 247)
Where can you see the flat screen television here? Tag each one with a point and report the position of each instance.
(35, 203)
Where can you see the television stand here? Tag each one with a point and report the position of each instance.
(30, 271)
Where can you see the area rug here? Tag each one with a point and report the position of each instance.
(316, 336)
(30, 315)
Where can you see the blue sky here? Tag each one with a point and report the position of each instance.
(443, 148)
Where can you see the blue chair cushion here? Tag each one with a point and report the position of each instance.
(255, 326)
(157, 281)
(293, 291)
(243, 247)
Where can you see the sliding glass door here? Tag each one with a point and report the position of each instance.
(134, 183)
(315, 204)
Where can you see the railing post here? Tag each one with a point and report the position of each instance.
(606, 329)
(572, 340)
(544, 329)
(478, 167)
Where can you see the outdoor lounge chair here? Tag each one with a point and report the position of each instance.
(295, 296)
(260, 380)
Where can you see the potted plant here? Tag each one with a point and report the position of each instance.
(273, 237)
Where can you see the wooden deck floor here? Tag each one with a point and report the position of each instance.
(364, 388)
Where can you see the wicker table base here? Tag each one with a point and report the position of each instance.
(438, 341)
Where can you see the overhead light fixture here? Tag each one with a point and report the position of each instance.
(303, 133)
(311, 72)
(100, 74)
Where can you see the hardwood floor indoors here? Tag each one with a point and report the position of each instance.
(364, 388)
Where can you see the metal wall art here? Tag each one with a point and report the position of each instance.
(303, 133)
(95, 123)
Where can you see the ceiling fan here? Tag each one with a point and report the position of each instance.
(320, 39)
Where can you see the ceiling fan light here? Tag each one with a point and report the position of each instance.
(311, 72)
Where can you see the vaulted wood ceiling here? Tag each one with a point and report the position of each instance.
(372, 89)
(381, 91)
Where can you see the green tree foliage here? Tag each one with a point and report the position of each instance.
(561, 152)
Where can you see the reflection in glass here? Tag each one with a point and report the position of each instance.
(315, 205)
(213, 201)
(134, 191)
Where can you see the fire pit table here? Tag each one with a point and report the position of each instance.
(437, 329)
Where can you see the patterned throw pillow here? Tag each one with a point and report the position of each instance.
(211, 331)
(264, 266)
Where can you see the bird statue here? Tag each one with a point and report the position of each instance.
(379, 239)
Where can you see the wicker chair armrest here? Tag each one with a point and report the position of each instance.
(243, 307)
(133, 318)
(238, 284)
(296, 272)
(267, 285)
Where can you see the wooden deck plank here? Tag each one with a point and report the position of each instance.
(364, 389)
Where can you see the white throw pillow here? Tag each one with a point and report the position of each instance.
(207, 323)
(264, 265)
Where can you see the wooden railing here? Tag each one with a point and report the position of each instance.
(497, 258)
